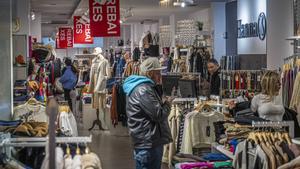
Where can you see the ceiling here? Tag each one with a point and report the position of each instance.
(57, 13)
(54, 13)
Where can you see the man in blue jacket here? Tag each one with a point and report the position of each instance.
(68, 80)
(147, 115)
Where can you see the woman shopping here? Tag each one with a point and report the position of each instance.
(268, 104)
(69, 80)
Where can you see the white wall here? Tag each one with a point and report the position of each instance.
(70, 52)
(204, 16)
(219, 28)
(36, 27)
(279, 27)
(21, 9)
(248, 11)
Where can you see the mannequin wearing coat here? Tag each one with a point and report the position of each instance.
(100, 72)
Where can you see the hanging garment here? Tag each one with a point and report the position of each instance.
(249, 157)
(67, 124)
(68, 161)
(295, 99)
(170, 149)
(76, 162)
(132, 68)
(199, 130)
(59, 156)
(90, 161)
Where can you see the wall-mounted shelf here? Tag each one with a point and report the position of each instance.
(205, 33)
(293, 38)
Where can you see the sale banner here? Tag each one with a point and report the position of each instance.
(65, 38)
(82, 31)
(105, 18)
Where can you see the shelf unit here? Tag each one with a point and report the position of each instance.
(293, 38)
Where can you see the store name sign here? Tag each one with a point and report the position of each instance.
(105, 18)
(254, 29)
(82, 31)
(65, 38)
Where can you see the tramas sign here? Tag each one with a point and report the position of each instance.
(65, 38)
(105, 18)
(82, 31)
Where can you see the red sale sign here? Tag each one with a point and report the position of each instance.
(105, 18)
(65, 38)
(82, 31)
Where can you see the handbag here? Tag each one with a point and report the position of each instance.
(58, 86)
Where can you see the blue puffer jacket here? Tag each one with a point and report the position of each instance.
(68, 79)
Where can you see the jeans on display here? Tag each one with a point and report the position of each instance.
(148, 158)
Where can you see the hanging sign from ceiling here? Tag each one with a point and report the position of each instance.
(65, 38)
(105, 18)
(82, 31)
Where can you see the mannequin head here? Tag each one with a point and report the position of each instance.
(98, 50)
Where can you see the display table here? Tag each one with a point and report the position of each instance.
(221, 149)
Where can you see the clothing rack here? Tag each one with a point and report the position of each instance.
(224, 77)
(181, 73)
(294, 56)
(234, 71)
(42, 142)
(289, 124)
(179, 100)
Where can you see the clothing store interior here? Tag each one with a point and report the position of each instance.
(150, 84)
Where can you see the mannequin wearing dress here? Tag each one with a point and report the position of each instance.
(100, 72)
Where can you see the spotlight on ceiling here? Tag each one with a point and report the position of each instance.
(32, 14)
(121, 21)
(183, 4)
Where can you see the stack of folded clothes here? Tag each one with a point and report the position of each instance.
(20, 91)
(31, 129)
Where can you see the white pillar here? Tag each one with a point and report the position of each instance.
(280, 25)
(36, 27)
(219, 29)
(173, 29)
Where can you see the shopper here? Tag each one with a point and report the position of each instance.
(69, 80)
(147, 115)
(268, 103)
(214, 78)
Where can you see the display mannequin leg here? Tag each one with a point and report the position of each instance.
(97, 122)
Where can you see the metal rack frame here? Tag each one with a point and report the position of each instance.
(289, 124)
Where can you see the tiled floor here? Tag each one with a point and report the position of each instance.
(114, 150)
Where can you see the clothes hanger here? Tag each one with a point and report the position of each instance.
(68, 151)
(287, 137)
(252, 137)
(77, 150)
(87, 149)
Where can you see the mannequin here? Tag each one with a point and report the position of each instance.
(100, 72)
